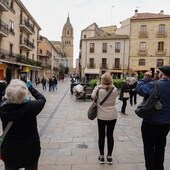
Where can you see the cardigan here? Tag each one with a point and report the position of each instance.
(106, 111)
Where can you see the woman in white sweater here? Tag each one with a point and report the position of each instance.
(106, 116)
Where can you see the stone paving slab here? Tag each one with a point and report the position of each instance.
(69, 139)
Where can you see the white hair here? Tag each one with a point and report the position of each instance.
(16, 91)
(133, 80)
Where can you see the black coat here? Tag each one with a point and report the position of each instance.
(21, 145)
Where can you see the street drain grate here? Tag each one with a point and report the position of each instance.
(84, 146)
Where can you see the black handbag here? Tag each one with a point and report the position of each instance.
(92, 111)
(151, 105)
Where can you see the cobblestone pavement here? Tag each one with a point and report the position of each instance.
(69, 139)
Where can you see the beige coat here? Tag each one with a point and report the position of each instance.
(107, 111)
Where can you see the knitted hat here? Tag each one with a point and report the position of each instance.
(165, 70)
(106, 79)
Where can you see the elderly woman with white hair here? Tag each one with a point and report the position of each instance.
(106, 115)
(21, 145)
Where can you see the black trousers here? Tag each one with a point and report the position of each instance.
(34, 166)
(133, 98)
(154, 140)
(106, 127)
(124, 105)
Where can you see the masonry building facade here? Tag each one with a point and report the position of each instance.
(19, 36)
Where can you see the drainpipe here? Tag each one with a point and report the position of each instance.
(123, 57)
(129, 47)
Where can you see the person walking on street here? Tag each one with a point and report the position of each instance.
(44, 83)
(50, 83)
(125, 89)
(54, 82)
(106, 116)
(155, 128)
(21, 145)
(37, 81)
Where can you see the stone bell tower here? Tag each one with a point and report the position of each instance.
(67, 43)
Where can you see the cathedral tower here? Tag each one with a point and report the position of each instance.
(67, 43)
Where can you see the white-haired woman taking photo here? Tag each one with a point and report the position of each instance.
(21, 145)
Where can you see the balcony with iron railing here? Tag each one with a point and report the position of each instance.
(45, 65)
(143, 34)
(27, 26)
(7, 55)
(91, 65)
(3, 29)
(11, 31)
(161, 34)
(26, 44)
(4, 5)
(142, 52)
(16, 58)
(103, 66)
(116, 66)
(26, 60)
(160, 52)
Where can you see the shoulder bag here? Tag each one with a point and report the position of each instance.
(92, 111)
(151, 105)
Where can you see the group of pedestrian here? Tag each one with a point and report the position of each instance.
(51, 82)
(154, 129)
(21, 145)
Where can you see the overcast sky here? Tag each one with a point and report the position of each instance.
(51, 15)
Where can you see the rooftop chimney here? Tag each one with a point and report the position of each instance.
(136, 13)
(161, 12)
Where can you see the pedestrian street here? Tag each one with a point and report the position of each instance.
(69, 139)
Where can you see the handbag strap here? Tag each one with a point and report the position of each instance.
(6, 129)
(157, 89)
(108, 94)
(97, 93)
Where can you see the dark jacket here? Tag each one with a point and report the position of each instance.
(125, 88)
(43, 81)
(145, 89)
(21, 145)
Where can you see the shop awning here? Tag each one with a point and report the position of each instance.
(139, 70)
(115, 71)
(91, 71)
